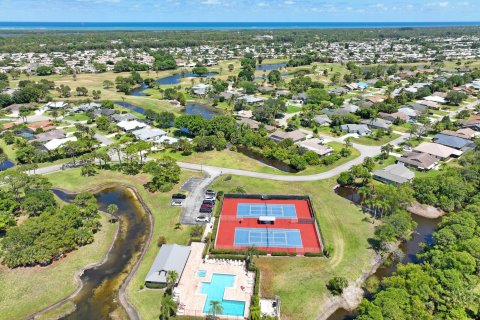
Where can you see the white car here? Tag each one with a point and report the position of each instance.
(202, 219)
(176, 203)
(209, 197)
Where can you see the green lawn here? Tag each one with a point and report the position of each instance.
(8, 150)
(300, 282)
(236, 160)
(370, 141)
(293, 109)
(78, 117)
(24, 291)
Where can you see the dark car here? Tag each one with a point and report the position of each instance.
(206, 205)
(211, 192)
(211, 202)
(178, 196)
(206, 210)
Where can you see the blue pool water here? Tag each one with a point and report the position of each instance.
(215, 291)
(201, 273)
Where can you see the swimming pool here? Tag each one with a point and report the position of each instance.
(215, 291)
(201, 273)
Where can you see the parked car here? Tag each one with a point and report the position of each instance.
(211, 192)
(176, 202)
(206, 210)
(202, 219)
(209, 197)
(212, 202)
(179, 196)
(206, 205)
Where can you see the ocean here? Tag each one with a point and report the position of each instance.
(138, 26)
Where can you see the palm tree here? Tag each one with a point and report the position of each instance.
(167, 308)
(348, 143)
(112, 209)
(251, 251)
(172, 277)
(216, 308)
(117, 147)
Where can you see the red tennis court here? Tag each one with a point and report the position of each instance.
(272, 224)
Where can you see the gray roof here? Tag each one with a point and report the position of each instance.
(355, 128)
(396, 173)
(122, 117)
(451, 141)
(50, 135)
(171, 257)
(148, 133)
(322, 119)
(377, 123)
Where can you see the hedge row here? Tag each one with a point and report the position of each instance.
(236, 252)
(227, 257)
(195, 239)
(313, 254)
(284, 254)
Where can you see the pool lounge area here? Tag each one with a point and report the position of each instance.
(214, 280)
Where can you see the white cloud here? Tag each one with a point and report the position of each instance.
(211, 2)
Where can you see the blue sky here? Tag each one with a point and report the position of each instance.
(239, 10)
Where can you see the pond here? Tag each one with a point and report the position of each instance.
(177, 77)
(193, 108)
(270, 66)
(98, 297)
(130, 106)
(277, 164)
(422, 234)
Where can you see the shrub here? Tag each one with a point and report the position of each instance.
(161, 241)
(336, 285)
(279, 254)
(313, 254)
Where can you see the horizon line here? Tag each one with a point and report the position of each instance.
(423, 21)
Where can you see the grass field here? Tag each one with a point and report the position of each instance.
(24, 291)
(8, 150)
(165, 218)
(369, 141)
(236, 160)
(300, 282)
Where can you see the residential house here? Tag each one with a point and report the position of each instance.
(473, 122)
(436, 99)
(360, 129)
(322, 120)
(123, 117)
(439, 151)
(149, 134)
(465, 133)
(377, 123)
(131, 125)
(409, 112)
(56, 105)
(420, 108)
(200, 89)
(49, 135)
(316, 145)
(429, 104)
(394, 117)
(453, 142)
(395, 174)
(171, 257)
(295, 135)
(251, 99)
(245, 114)
(54, 144)
(43, 125)
(419, 160)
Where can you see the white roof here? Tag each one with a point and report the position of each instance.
(435, 99)
(437, 150)
(167, 139)
(55, 143)
(148, 133)
(131, 125)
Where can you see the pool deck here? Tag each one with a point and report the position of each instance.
(192, 301)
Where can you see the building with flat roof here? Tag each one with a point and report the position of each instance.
(171, 257)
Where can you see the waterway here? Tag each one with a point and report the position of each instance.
(421, 235)
(98, 298)
(277, 164)
(177, 77)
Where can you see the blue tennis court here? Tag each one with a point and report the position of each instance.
(276, 238)
(255, 210)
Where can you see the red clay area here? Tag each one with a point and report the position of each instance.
(229, 222)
